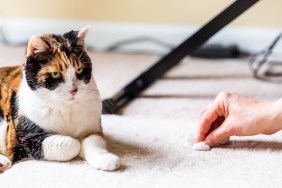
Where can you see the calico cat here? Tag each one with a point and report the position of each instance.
(50, 107)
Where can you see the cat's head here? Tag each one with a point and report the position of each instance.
(58, 66)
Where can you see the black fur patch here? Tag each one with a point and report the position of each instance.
(14, 105)
(85, 76)
(34, 64)
(87, 70)
(71, 36)
(1, 114)
(51, 83)
(58, 38)
(30, 137)
(1, 110)
(66, 50)
(19, 153)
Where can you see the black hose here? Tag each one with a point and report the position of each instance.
(135, 87)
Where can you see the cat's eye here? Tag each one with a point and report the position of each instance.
(56, 75)
(79, 70)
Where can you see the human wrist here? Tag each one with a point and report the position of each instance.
(275, 117)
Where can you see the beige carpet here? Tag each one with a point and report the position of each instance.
(149, 135)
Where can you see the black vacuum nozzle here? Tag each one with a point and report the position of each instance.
(109, 106)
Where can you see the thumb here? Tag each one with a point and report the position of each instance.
(219, 134)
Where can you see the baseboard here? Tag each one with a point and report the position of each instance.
(104, 34)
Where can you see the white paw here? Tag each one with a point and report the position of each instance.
(105, 161)
(5, 163)
(60, 148)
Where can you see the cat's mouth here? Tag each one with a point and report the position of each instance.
(70, 99)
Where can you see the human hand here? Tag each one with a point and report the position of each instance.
(233, 115)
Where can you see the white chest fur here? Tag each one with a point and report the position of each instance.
(77, 119)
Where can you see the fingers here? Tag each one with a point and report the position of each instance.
(215, 111)
(217, 123)
(219, 134)
(208, 116)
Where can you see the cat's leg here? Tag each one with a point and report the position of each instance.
(60, 148)
(39, 144)
(93, 150)
(5, 163)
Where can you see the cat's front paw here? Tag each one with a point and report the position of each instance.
(105, 161)
(5, 163)
(60, 148)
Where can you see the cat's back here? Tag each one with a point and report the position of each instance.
(10, 78)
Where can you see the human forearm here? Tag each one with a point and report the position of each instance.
(274, 123)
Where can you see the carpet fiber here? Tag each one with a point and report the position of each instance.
(150, 133)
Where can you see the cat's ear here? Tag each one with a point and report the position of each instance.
(35, 45)
(81, 36)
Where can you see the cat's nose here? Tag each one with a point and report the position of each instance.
(73, 91)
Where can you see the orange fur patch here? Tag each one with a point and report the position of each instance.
(58, 64)
(10, 79)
